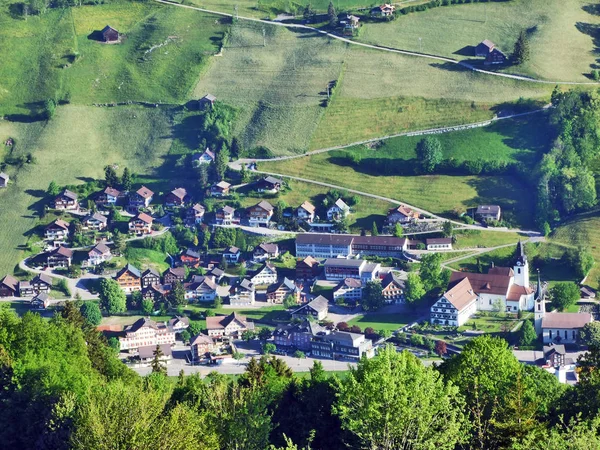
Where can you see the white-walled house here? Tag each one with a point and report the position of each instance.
(338, 210)
(456, 306)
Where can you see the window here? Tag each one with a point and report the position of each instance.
(519, 271)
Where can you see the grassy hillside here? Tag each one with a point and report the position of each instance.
(561, 33)
(131, 136)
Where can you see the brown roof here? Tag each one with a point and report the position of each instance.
(43, 278)
(199, 208)
(202, 339)
(143, 217)
(60, 224)
(438, 241)
(232, 250)
(265, 205)
(10, 282)
(515, 292)
(67, 193)
(112, 192)
(144, 192)
(566, 320)
(405, 211)
(489, 44)
(461, 294)
(484, 283)
(180, 193)
(349, 283)
(324, 239)
(504, 271)
(309, 261)
(269, 248)
(63, 251)
(177, 271)
(97, 216)
(223, 185)
(379, 240)
(101, 249)
(147, 351)
(308, 207)
(220, 322)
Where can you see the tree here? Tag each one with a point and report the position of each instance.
(341, 226)
(119, 241)
(237, 148)
(331, 15)
(429, 153)
(49, 108)
(114, 344)
(398, 230)
(447, 229)
(546, 230)
(527, 334)
(185, 336)
(240, 240)
(157, 365)
(374, 231)
(218, 302)
(309, 13)
(590, 334)
(289, 302)
(414, 290)
(248, 335)
(521, 52)
(205, 239)
(126, 180)
(299, 354)
(203, 175)
(221, 162)
(91, 312)
(195, 327)
(176, 296)
(430, 270)
(564, 294)
(441, 348)
(147, 306)
(53, 189)
(372, 298)
(264, 334)
(110, 176)
(392, 401)
(112, 297)
(134, 301)
(224, 265)
(269, 348)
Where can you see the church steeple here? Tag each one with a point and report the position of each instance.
(521, 266)
(539, 292)
(540, 306)
(520, 256)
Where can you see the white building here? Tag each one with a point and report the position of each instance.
(350, 289)
(338, 211)
(242, 294)
(146, 332)
(438, 244)
(456, 306)
(265, 274)
(201, 289)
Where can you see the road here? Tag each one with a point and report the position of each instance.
(379, 47)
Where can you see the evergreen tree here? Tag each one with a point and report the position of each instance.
(331, 15)
(53, 189)
(521, 52)
(374, 231)
(221, 162)
(528, 334)
(237, 148)
(110, 176)
(126, 180)
(429, 153)
(398, 230)
(447, 229)
(157, 365)
(91, 312)
(177, 295)
(372, 298)
(112, 297)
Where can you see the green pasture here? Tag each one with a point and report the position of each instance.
(379, 321)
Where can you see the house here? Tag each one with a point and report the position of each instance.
(40, 301)
(66, 200)
(269, 184)
(3, 180)
(95, 221)
(149, 277)
(260, 214)
(178, 324)
(338, 210)
(495, 57)
(350, 289)
(59, 257)
(41, 283)
(201, 345)
(129, 278)
(207, 100)
(385, 10)
(25, 289)
(232, 325)
(147, 353)
(232, 255)
(156, 291)
(176, 197)
(220, 189)
(203, 158)
(108, 197)
(349, 23)
(265, 251)
(190, 258)
(224, 216)
(392, 288)
(278, 292)
(195, 215)
(57, 231)
(434, 244)
(9, 286)
(341, 345)
(402, 215)
(174, 274)
(484, 48)
(587, 292)
(99, 254)
(243, 293)
(201, 289)
(265, 274)
(456, 306)
(307, 268)
(141, 224)
(217, 274)
(554, 355)
(297, 336)
(316, 309)
(145, 332)
(488, 212)
(563, 328)
(109, 34)
(335, 245)
(338, 269)
(306, 211)
(140, 198)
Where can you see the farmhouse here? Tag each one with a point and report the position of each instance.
(488, 212)
(176, 197)
(349, 23)
(201, 289)
(456, 306)
(109, 34)
(278, 292)
(99, 254)
(108, 197)
(495, 57)
(392, 288)
(243, 293)
(265, 251)
(401, 214)
(269, 184)
(385, 10)
(25, 289)
(129, 278)
(9, 286)
(141, 224)
(317, 309)
(306, 211)
(307, 268)
(338, 210)
(484, 48)
(434, 244)
(220, 189)
(350, 289)
(149, 277)
(174, 274)
(195, 215)
(145, 332)
(231, 325)
(260, 214)
(203, 158)
(57, 231)
(67, 200)
(3, 180)
(96, 222)
(60, 257)
(40, 301)
(225, 215)
(41, 283)
(265, 274)
(140, 198)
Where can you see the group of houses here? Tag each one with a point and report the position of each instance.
(506, 289)
(37, 289)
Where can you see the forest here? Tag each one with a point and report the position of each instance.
(62, 387)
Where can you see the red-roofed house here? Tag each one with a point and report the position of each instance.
(141, 224)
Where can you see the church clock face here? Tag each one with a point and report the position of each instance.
(518, 263)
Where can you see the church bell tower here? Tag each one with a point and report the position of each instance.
(521, 266)
(539, 307)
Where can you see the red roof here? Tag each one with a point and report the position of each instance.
(144, 192)
(143, 217)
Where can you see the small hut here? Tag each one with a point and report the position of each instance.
(207, 100)
(109, 34)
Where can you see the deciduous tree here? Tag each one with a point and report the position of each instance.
(112, 297)
(430, 153)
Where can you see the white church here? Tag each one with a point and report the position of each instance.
(502, 288)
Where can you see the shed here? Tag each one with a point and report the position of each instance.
(208, 99)
(3, 180)
(109, 34)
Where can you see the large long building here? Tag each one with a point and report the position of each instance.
(344, 245)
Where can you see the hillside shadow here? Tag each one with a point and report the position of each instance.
(593, 31)
(366, 223)
(38, 206)
(188, 131)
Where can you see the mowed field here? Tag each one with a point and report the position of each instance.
(74, 146)
(58, 55)
(561, 33)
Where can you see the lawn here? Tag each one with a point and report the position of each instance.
(561, 33)
(379, 321)
(144, 258)
(274, 313)
(132, 136)
(489, 324)
(478, 238)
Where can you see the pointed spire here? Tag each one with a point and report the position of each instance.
(520, 255)
(539, 292)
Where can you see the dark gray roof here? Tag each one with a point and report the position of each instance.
(433, 241)
(131, 268)
(147, 351)
(319, 304)
(324, 239)
(340, 262)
